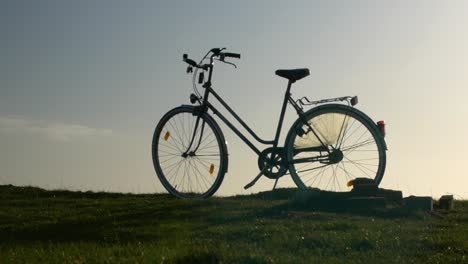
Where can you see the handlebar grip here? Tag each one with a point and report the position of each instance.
(191, 62)
(232, 55)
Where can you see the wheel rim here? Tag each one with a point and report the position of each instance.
(184, 171)
(354, 147)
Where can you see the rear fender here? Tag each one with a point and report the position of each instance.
(324, 106)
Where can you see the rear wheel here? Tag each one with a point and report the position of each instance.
(354, 148)
(189, 153)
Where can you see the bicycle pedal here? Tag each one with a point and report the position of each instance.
(255, 179)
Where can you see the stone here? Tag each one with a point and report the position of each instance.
(446, 202)
(365, 189)
(390, 195)
(418, 202)
(358, 181)
(365, 202)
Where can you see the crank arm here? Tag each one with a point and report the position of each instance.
(255, 179)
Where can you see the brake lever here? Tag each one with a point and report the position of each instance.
(230, 63)
(227, 62)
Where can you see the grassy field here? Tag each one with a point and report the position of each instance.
(60, 226)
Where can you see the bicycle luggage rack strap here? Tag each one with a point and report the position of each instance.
(351, 100)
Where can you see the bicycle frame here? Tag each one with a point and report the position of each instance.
(205, 104)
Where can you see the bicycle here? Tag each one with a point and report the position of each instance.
(327, 146)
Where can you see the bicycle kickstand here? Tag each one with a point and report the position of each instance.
(274, 186)
(255, 179)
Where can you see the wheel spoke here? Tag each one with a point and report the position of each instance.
(360, 167)
(367, 142)
(207, 184)
(342, 133)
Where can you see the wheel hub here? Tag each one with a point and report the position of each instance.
(335, 156)
(189, 154)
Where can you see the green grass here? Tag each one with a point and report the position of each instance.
(61, 226)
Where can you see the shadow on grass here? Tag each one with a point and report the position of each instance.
(131, 217)
(198, 258)
(61, 232)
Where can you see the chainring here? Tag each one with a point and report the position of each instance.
(274, 168)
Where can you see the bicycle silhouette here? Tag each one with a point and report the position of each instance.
(326, 147)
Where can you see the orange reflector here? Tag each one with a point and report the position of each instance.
(167, 135)
(350, 183)
(211, 168)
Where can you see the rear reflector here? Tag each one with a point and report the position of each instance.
(354, 101)
(381, 126)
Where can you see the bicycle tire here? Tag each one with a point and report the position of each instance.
(363, 158)
(197, 176)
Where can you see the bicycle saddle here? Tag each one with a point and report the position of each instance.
(294, 74)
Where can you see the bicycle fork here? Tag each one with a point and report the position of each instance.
(192, 153)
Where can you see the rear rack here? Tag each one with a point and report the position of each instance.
(304, 101)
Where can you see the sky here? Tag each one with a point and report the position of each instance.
(84, 83)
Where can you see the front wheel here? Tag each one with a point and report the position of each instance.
(189, 153)
(346, 145)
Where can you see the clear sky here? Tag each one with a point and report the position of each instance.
(83, 83)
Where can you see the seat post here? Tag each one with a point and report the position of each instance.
(280, 122)
(283, 110)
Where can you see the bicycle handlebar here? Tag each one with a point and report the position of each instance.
(232, 55)
(213, 54)
(216, 53)
(191, 62)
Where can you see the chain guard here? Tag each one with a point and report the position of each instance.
(275, 169)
